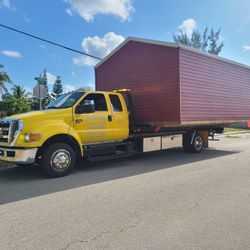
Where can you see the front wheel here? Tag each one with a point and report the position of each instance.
(58, 160)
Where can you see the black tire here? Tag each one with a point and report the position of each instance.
(58, 160)
(192, 143)
(197, 144)
(186, 143)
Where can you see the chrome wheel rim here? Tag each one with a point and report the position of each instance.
(198, 143)
(60, 160)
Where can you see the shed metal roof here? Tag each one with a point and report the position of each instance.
(169, 44)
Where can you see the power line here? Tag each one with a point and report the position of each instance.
(48, 41)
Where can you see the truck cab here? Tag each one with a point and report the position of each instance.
(61, 134)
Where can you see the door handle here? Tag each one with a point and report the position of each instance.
(78, 120)
(110, 118)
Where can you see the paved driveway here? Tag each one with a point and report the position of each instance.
(167, 200)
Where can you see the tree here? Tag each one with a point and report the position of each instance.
(182, 38)
(47, 100)
(210, 43)
(4, 78)
(84, 88)
(16, 102)
(34, 103)
(45, 79)
(215, 46)
(19, 92)
(57, 88)
(20, 106)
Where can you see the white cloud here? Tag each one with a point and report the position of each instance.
(69, 12)
(87, 9)
(85, 60)
(246, 47)
(11, 53)
(6, 4)
(26, 18)
(98, 46)
(42, 46)
(243, 23)
(51, 78)
(188, 26)
(69, 88)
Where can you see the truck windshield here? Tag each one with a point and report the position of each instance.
(65, 101)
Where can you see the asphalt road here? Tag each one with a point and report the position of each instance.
(167, 200)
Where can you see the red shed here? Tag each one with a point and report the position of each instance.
(177, 85)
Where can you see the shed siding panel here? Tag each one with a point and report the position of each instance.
(152, 74)
(213, 90)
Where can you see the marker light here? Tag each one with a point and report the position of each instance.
(32, 137)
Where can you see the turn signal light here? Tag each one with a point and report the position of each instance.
(33, 137)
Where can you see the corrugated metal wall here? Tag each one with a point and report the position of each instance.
(175, 85)
(152, 73)
(212, 89)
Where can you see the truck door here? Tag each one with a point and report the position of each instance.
(119, 115)
(93, 125)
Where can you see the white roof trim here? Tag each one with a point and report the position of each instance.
(169, 44)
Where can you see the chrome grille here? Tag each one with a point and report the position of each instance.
(9, 129)
(4, 131)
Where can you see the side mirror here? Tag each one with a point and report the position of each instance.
(85, 109)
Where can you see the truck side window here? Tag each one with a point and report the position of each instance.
(116, 103)
(98, 100)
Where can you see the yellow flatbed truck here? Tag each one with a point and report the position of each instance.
(91, 125)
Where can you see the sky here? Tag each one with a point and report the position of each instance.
(98, 26)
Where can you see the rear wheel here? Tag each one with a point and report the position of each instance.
(58, 159)
(197, 144)
(192, 143)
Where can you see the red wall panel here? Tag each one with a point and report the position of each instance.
(212, 89)
(151, 72)
(174, 85)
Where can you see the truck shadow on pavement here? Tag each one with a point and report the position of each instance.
(17, 183)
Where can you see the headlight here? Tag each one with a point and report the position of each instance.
(32, 137)
(16, 125)
(20, 125)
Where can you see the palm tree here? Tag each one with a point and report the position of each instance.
(4, 78)
(19, 92)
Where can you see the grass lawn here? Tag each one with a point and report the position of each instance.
(232, 136)
(230, 130)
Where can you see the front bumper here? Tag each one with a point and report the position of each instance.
(18, 155)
